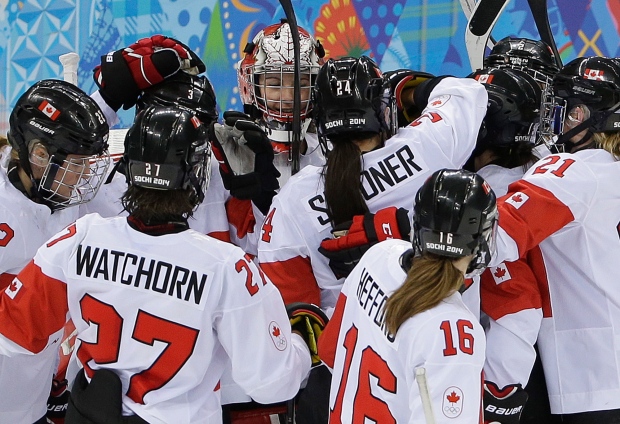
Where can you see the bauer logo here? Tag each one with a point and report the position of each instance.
(452, 404)
(278, 338)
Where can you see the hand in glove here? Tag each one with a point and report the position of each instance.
(503, 406)
(245, 157)
(125, 72)
(355, 238)
(57, 402)
(308, 321)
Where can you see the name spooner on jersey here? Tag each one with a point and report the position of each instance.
(133, 270)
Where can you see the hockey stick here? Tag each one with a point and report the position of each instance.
(69, 62)
(287, 6)
(541, 19)
(468, 7)
(427, 406)
(481, 23)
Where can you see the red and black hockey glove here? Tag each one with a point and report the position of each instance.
(245, 157)
(308, 321)
(503, 406)
(353, 239)
(125, 72)
(57, 402)
(402, 82)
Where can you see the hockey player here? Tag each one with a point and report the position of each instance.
(365, 176)
(56, 160)
(567, 204)
(400, 312)
(154, 325)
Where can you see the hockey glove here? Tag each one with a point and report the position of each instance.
(355, 238)
(503, 406)
(125, 72)
(402, 83)
(308, 321)
(245, 158)
(57, 402)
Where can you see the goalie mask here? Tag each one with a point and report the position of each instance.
(350, 98)
(533, 57)
(455, 215)
(168, 149)
(512, 108)
(183, 90)
(592, 83)
(266, 79)
(61, 137)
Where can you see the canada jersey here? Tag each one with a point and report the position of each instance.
(569, 204)
(374, 374)
(391, 175)
(165, 313)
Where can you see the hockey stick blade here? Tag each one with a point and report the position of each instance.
(468, 7)
(541, 19)
(481, 23)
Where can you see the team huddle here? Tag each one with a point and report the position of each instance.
(355, 246)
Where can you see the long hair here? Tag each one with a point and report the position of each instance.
(430, 279)
(609, 141)
(151, 205)
(343, 182)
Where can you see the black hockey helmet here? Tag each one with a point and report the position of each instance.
(534, 57)
(350, 97)
(512, 109)
(590, 81)
(62, 117)
(193, 92)
(66, 121)
(167, 148)
(455, 215)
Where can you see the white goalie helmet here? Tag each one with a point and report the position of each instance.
(266, 78)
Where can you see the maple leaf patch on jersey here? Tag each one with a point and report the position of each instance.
(278, 338)
(13, 288)
(452, 404)
(500, 273)
(439, 101)
(517, 200)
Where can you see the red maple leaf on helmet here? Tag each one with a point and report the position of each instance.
(500, 272)
(453, 397)
(276, 332)
(517, 198)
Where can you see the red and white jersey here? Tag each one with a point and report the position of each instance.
(165, 313)
(569, 205)
(443, 137)
(24, 226)
(374, 372)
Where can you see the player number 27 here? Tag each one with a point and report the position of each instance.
(147, 329)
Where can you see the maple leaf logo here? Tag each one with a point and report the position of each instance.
(453, 397)
(13, 286)
(517, 198)
(436, 102)
(276, 332)
(500, 272)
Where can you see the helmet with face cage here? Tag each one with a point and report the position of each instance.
(266, 76)
(66, 121)
(455, 215)
(512, 109)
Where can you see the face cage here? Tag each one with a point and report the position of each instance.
(73, 183)
(200, 176)
(485, 250)
(551, 126)
(283, 111)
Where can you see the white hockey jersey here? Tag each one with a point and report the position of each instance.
(374, 372)
(166, 313)
(443, 137)
(24, 227)
(569, 205)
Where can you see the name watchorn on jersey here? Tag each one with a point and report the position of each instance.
(132, 270)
